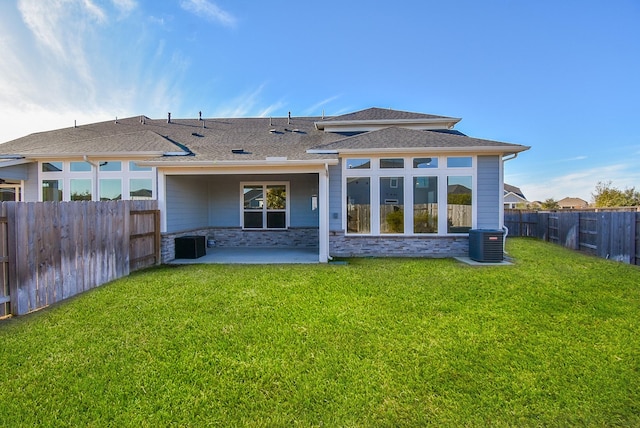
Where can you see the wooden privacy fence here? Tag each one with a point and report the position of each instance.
(50, 251)
(608, 234)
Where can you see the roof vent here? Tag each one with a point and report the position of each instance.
(200, 115)
(168, 117)
(272, 130)
(289, 119)
(238, 151)
(195, 134)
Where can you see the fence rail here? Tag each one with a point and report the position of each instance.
(607, 234)
(50, 251)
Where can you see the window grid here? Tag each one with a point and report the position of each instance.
(421, 208)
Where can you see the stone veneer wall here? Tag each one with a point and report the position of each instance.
(236, 237)
(397, 246)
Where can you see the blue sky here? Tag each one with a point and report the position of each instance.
(561, 77)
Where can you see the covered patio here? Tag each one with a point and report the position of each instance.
(253, 255)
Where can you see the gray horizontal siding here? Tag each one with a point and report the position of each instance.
(187, 206)
(335, 197)
(489, 192)
(31, 185)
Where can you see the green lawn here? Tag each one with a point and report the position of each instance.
(551, 341)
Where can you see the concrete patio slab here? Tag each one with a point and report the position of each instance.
(253, 255)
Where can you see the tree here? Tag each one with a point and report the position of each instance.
(550, 204)
(606, 195)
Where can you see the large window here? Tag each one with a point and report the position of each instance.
(459, 199)
(52, 190)
(95, 180)
(358, 205)
(140, 188)
(264, 205)
(406, 192)
(391, 205)
(425, 204)
(80, 189)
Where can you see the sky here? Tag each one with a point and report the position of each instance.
(560, 76)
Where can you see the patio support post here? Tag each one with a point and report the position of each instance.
(323, 213)
(161, 186)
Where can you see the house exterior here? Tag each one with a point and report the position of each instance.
(572, 203)
(375, 182)
(513, 197)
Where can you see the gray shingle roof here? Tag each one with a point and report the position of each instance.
(376, 113)
(402, 138)
(234, 139)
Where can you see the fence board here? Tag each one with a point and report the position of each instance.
(608, 234)
(50, 251)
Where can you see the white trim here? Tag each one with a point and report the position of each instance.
(161, 181)
(323, 215)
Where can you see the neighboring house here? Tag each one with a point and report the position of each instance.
(572, 203)
(513, 197)
(373, 182)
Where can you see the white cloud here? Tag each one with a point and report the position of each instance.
(243, 105)
(314, 109)
(208, 11)
(580, 183)
(60, 63)
(125, 6)
(577, 158)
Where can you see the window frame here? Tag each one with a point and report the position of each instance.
(95, 175)
(265, 210)
(409, 173)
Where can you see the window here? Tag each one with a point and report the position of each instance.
(425, 162)
(110, 189)
(51, 166)
(79, 167)
(51, 190)
(425, 205)
(264, 206)
(392, 163)
(134, 167)
(459, 162)
(80, 189)
(358, 205)
(459, 199)
(110, 166)
(402, 195)
(391, 205)
(358, 163)
(140, 188)
(104, 180)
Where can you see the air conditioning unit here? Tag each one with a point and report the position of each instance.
(486, 245)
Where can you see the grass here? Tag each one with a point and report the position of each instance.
(551, 341)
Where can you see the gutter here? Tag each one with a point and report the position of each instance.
(217, 163)
(402, 150)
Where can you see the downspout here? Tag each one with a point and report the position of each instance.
(505, 228)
